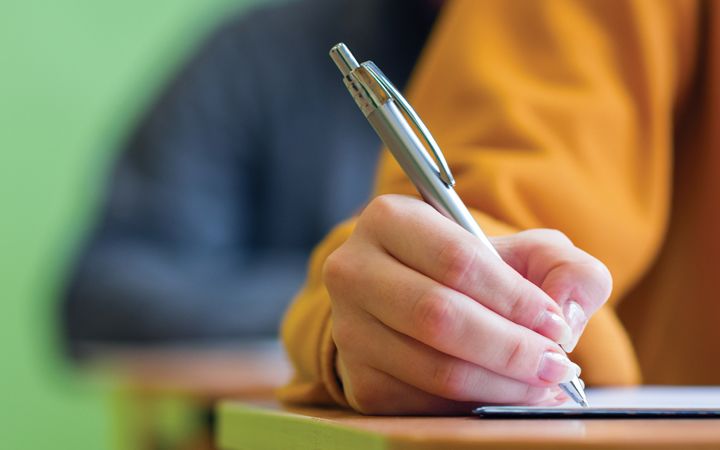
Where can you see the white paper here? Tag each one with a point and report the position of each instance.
(653, 397)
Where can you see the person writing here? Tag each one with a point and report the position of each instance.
(576, 116)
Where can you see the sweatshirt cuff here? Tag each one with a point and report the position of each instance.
(328, 372)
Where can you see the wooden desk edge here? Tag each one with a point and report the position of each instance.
(241, 422)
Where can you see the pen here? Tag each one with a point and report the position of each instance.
(383, 106)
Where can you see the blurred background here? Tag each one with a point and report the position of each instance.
(166, 168)
(74, 75)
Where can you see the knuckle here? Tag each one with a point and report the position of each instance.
(434, 315)
(383, 207)
(456, 261)
(552, 235)
(337, 269)
(343, 333)
(451, 380)
(515, 358)
(366, 398)
(517, 304)
(524, 304)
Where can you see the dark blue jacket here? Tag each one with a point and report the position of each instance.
(247, 159)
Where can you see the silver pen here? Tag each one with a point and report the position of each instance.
(383, 106)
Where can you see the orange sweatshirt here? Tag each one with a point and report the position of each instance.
(598, 118)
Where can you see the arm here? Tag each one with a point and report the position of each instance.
(552, 114)
(172, 256)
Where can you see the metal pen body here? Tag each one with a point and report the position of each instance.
(396, 133)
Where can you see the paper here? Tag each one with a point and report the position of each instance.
(653, 397)
(649, 402)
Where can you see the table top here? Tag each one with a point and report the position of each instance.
(268, 425)
(246, 375)
(246, 370)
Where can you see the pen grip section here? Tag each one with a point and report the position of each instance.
(403, 143)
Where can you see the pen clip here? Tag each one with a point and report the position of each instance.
(443, 168)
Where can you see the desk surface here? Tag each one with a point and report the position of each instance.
(268, 425)
(244, 370)
(163, 392)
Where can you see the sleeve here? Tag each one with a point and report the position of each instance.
(553, 114)
(172, 257)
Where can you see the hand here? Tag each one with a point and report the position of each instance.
(426, 319)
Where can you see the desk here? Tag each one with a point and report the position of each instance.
(268, 426)
(252, 369)
(164, 394)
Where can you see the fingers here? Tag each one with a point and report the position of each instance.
(433, 245)
(581, 288)
(436, 373)
(578, 282)
(439, 317)
(370, 391)
(425, 318)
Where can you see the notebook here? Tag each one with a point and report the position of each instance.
(647, 402)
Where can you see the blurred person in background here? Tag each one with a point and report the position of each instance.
(250, 155)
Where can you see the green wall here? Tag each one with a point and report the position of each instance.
(73, 73)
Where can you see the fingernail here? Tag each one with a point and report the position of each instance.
(578, 370)
(576, 319)
(556, 368)
(554, 327)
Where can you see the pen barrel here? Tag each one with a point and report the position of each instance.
(395, 132)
